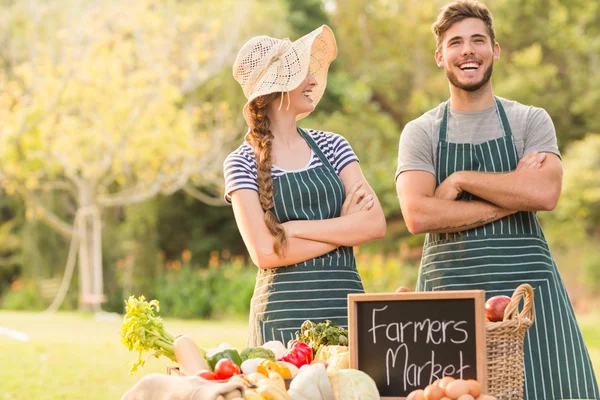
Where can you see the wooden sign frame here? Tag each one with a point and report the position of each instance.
(477, 295)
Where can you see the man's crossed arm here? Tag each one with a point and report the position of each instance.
(533, 186)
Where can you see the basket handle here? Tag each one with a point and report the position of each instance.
(512, 309)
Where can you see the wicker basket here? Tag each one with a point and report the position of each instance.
(504, 342)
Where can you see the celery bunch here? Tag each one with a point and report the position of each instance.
(142, 331)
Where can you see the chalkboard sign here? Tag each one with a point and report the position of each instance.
(405, 341)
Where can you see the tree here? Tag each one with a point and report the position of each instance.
(95, 104)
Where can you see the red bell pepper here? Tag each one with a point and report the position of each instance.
(298, 353)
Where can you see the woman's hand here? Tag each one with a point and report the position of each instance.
(356, 200)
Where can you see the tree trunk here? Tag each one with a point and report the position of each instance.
(91, 283)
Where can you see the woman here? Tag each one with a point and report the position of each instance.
(299, 197)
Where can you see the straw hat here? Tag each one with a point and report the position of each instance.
(267, 65)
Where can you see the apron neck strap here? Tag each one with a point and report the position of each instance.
(444, 124)
(501, 115)
(313, 145)
(503, 118)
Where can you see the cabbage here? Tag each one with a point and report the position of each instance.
(312, 384)
(338, 361)
(326, 352)
(352, 384)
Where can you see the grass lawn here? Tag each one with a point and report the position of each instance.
(73, 356)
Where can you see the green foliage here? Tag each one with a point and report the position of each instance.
(11, 241)
(144, 331)
(23, 295)
(185, 223)
(218, 291)
(322, 334)
(577, 215)
(573, 228)
(382, 274)
(68, 100)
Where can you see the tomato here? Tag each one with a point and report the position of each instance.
(225, 369)
(206, 374)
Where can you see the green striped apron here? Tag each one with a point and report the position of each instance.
(315, 289)
(501, 255)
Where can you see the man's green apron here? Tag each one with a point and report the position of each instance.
(313, 290)
(501, 255)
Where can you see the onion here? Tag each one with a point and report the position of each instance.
(474, 388)
(457, 388)
(416, 395)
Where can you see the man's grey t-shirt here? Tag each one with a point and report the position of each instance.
(532, 129)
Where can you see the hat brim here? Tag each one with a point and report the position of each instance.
(323, 50)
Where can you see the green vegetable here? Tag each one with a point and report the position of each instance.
(143, 331)
(257, 352)
(230, 354)
(322, 334)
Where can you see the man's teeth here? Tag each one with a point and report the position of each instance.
(469, 66)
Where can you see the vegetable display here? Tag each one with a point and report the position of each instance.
(188, 355)
(322, 334)
(265, 372)
(267, 365)
(230, 354)
(314, 366)
(298, 353)
(352, 384)
(312, 384)
(225, 369)
(257, 352)
(143, 331)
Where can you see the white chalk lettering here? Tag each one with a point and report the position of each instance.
(394, 354)
(374, 327)
(460, 330)
(462, 367)
(393, 327)
(404, 325)
(420, 326)
(444, 328)
(414, 375)
(434, 326)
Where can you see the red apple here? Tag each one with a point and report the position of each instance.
(495, 306)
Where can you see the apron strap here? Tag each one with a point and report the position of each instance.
(503, 119)
(444, 125)
(443, 136)
(313, 145)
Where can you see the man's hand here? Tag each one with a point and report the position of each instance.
(531, 161)
(356, 200)
(449, 189)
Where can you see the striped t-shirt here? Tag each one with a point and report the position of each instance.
(239, 167)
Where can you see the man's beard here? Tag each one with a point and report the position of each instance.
(472, 87)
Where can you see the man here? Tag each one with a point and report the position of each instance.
(471, 174)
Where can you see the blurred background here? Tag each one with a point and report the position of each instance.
(116, 117)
